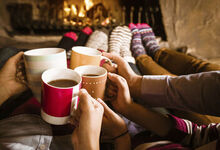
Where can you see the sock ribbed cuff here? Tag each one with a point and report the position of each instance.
(71, 35)
(87, 30)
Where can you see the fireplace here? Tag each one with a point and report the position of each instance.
(58, 16)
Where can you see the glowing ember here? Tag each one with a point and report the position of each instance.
(88, 4)
(77, 15)
(82, 12)
(106, 21)
(74, 10)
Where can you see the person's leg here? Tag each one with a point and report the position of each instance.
(175, 62)
(182, 64)
(68, 40)
(148, 66)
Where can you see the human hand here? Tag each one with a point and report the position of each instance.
(112, 124)
(119, 91)
(124, 70)
(88, 120)
(12, 76)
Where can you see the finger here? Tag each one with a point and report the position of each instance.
(73, 121)
(110, 68)
(17, 57)
(118, 80)
(84, 99)
(114, 57)
(107, 110)
(111, 93)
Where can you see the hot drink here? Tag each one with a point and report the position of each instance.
(90, 75)
(63, 83)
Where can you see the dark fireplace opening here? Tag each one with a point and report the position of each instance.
(49, 17)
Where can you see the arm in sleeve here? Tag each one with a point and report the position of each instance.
(192, 135)
(195, 92)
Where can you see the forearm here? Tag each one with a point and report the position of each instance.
(149, 119)
(195, 92)
(89, 140)
(135, 86)
(3, 94)
(191, 134)
(123, 143)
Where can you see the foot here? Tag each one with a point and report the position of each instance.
(137, 47)
(149, 39)
(125, 50)
(115, 40)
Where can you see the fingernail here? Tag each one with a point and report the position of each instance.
(99, 99)
(83, 90)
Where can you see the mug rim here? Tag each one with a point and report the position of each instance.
(78, 83)
(92, 66)
(29, 52)
(78, 49)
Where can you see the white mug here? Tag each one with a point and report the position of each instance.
(37, 61)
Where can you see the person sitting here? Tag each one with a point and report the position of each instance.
(29, 131)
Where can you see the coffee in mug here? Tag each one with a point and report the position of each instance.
(93, 79)
(60, 88)
(63, 83)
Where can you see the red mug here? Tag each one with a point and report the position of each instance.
(60, 88)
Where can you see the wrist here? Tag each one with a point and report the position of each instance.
(89, 141)
(135, 86)
(123, 142)
(115, 138)
(4, 94)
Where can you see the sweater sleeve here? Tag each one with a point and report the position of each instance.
(192, 135)
(195, 92)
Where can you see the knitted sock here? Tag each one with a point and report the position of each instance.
(125, 51)
(115, 40)
(67, 42)
(149, 39)
(83, 36)
(98, 39)
(136, 44)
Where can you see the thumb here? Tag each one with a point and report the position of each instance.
(119, 81)
(84, 99)
(16, 58)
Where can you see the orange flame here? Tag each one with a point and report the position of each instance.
(88, 4)
(82, 12)
(73, 9)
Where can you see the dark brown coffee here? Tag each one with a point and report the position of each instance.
(91, 75)
(63, 83)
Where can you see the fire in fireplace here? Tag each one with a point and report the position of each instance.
(59, 16)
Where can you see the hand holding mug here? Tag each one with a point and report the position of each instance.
(11, 78)
(123, 69)
(89, 115)
(112, 124)
(121, 97)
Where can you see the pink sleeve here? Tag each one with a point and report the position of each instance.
(191, 134)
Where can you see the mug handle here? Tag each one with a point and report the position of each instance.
(74, 105)
(105, 60)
